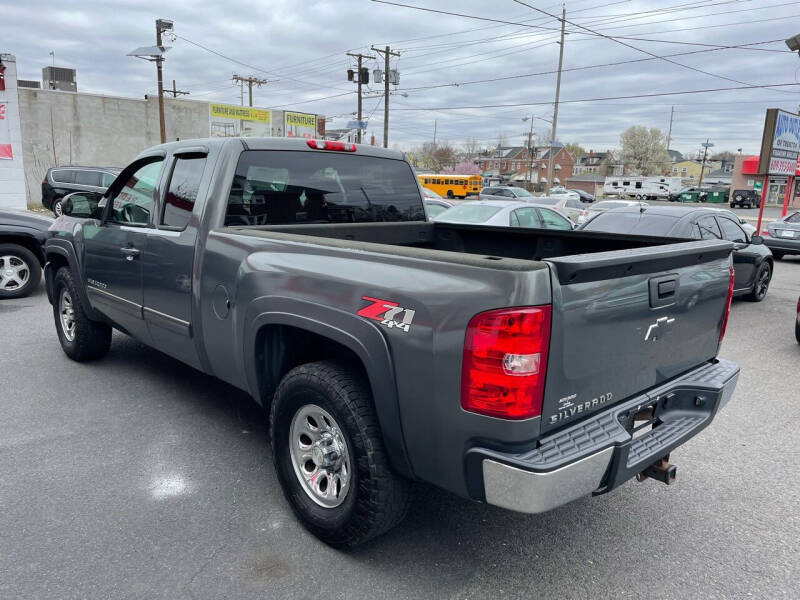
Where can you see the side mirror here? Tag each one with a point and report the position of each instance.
(757, 240)
(81, 205)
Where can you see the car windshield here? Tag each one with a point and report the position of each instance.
(546, 201)
(469, 213)
(521, 192)
(632, 222)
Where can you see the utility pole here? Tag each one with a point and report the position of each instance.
(360, 80)
(387, 52)
(250, 81)
(669, 135)
(558, 93)
(176, 92)
(434, 134)
(706, 146)
(161, 26)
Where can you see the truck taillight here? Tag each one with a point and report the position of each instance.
(728, 300)
(505, 360)
(329, 145)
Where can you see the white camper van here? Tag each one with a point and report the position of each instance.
(641, 188)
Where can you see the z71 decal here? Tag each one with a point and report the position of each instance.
(386, 312)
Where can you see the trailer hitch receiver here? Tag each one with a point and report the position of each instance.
(661, 471)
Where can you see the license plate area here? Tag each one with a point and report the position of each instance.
(787, 233)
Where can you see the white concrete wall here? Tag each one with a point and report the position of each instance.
(63, 128)
(12, 172)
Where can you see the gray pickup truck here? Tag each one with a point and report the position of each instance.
(524, 368)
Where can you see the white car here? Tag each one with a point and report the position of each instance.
(505, 213)
(573, 208)
(560, 191)
(605, 205)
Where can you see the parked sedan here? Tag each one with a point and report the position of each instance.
(560, 191)
(783, 236)
(505, 214)
(22, 237)
(573, 208)
(752, 260)
(505, 192)
(436, 206)
(605, 205)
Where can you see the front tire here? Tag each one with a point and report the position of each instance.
(761, 283)
(20, 271)
(81, 338)
(330, 458)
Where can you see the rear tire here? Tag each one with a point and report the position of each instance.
(57, 207)
(761, 283)
(340, 402)
(81, 338)
(20, 271)
(777, 255)
(733, 205)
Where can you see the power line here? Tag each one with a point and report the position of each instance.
(611, 64)
(632, 47)
(653, 95)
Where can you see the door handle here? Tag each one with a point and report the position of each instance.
(130, 253)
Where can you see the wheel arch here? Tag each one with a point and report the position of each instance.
(281, 333)
(60, 253)
(26, 241)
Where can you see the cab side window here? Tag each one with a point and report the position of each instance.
(182, 191)
(134, 202)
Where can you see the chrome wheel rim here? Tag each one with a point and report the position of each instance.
(320, 456)
(14, 273)
(66, 311)
(57, 209)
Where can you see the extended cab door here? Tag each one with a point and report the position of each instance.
(113, 247)
(167, 266)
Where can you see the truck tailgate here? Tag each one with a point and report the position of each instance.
(625, 321)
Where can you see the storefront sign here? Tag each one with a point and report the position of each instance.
(227, 120)
(300, 125)
(780, 144)
(5, 138)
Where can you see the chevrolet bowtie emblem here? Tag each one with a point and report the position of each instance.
(662, 322)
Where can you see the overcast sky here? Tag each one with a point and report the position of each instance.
(300, 47)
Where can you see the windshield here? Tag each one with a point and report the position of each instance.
(521, 192)
(632, 222)
(546, 201)
(469, 213)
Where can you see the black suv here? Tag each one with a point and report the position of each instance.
(748, 198)
(60, 181)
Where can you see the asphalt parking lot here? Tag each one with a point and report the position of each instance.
(138, 477)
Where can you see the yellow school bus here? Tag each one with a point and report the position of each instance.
(452, 186)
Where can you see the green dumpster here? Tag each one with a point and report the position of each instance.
(689, 197)
(717, 196)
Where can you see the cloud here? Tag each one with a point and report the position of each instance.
(300, 47)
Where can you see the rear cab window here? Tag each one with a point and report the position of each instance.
(274, 187)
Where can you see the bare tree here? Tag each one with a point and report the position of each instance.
(471, 148)
(575, 149)
(643, 151)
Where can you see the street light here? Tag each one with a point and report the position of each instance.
(156, 54)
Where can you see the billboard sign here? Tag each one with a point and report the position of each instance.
(780, 144)
(5, 135)
(227, 120)
(302, 125)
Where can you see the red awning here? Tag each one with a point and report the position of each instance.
(750, 165)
